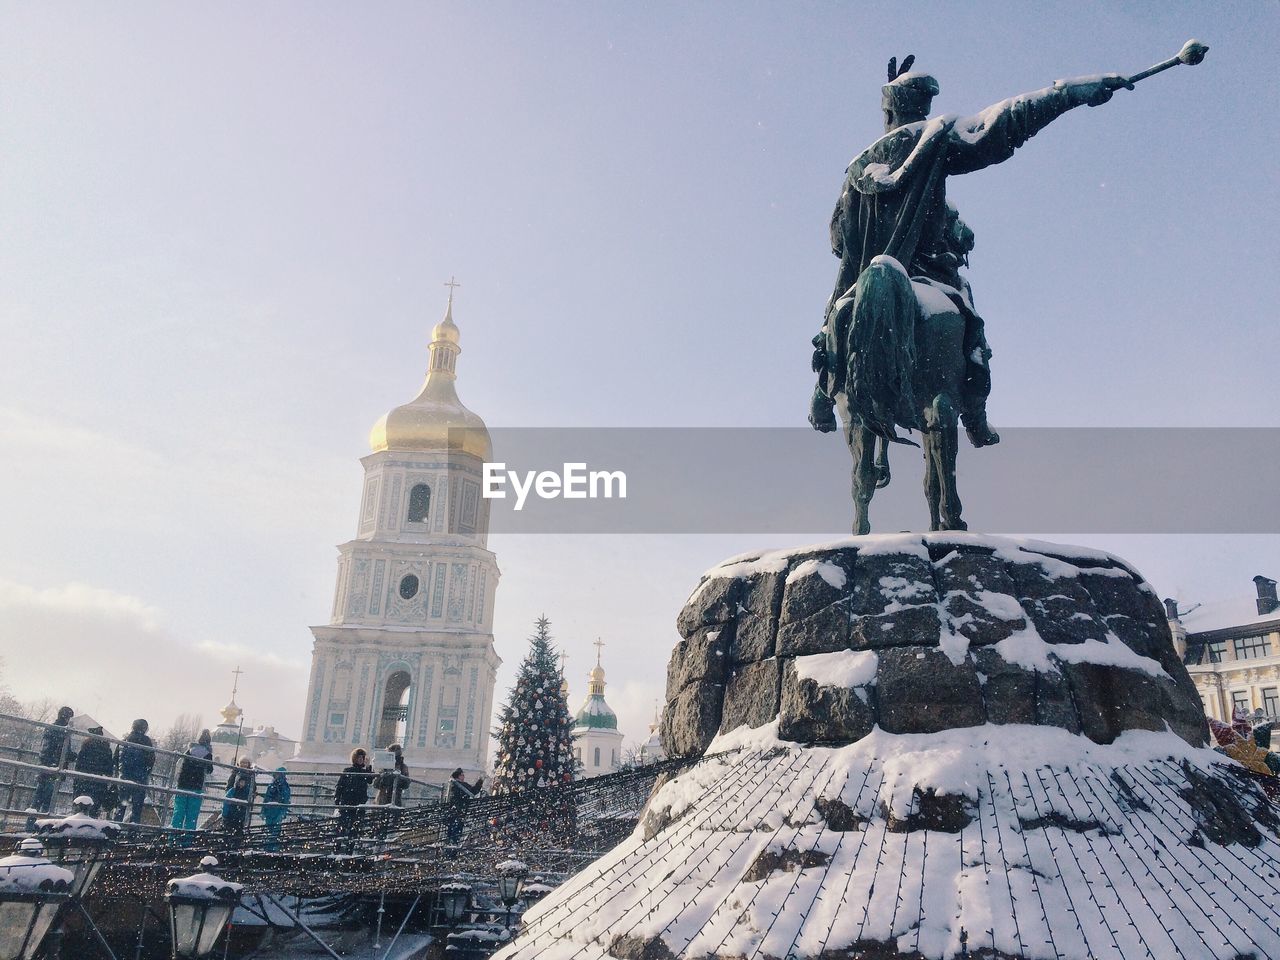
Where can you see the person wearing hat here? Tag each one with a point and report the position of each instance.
(350, 793)
(55, 754)
(893, 206)
(275, 806)
(95, 758)
(134, 760)
(195, 766)
(459, 793)
(239, 798)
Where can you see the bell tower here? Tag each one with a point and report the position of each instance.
(407, 656)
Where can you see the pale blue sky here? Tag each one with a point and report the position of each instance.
(225, 230)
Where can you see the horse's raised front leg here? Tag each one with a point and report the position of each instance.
(941, 444)
(862, 444)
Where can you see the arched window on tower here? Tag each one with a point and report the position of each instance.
(395, 710)
(596, 757)
(419, 503)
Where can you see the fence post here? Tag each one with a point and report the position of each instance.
(166, 802)
(13, 781)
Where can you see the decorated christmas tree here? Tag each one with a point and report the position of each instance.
(535, 728)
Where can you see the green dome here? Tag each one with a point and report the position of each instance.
(595, 714)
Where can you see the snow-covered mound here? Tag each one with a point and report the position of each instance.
(999, 840)
(930, 746)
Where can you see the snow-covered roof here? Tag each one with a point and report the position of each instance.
(1035, 843)
(1239, 611)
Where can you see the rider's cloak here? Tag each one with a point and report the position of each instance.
(894, 203)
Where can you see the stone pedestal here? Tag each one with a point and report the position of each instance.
(930, 746)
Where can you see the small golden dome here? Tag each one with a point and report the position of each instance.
(435, 419)
(446, 329)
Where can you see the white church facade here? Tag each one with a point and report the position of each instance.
(408, 655)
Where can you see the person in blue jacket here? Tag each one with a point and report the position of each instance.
(275, 806)
(134, 760)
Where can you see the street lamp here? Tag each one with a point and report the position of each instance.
(31, 891)
(511, 874)
(535, 891)
(453, 900)
(79, 842)
(199, 908)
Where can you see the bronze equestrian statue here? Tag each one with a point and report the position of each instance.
(901, 345)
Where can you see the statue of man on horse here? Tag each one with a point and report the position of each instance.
(901, 345)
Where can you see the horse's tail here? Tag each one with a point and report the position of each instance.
(882, 350)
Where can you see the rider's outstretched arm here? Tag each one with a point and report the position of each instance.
(993, 135)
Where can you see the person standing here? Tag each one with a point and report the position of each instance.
(350, 793)
(458, 794)
(239, 798)
(275, 805)
(95, 758)
(391, 783)
(55, 753)
(134, 760)
(195, 766)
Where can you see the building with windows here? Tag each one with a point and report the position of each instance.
(407, 655)
(597, 741)
(1232, 650)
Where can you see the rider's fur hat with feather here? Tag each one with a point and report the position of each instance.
(907, 92)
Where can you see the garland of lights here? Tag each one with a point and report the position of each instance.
(400, 850)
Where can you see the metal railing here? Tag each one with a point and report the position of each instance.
(21, 740)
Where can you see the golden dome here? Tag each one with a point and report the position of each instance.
(446, 329)
(435, 419)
